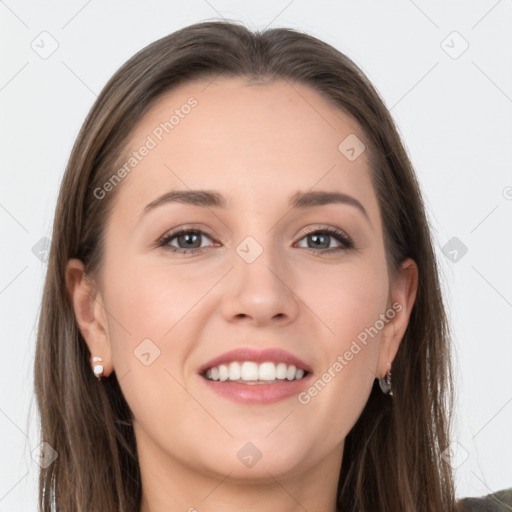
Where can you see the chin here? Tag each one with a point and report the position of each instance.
(253, 460)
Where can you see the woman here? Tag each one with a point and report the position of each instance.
(253, 370)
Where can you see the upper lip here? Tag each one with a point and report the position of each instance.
(275, 355)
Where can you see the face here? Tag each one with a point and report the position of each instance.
(254, 271)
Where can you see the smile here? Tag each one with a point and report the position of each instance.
(250, 372)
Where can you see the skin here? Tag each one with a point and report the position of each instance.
(256, 145)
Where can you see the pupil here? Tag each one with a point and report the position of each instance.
(315, 237)
(188, 236)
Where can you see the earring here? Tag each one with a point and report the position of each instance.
(97, 368)
(385, 382)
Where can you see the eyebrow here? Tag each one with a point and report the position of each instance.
(213, 199)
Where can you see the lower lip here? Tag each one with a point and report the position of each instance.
(257, 393)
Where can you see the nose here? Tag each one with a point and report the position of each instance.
(260, 292)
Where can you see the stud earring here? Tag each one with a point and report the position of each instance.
(97, 366)
(385, 382)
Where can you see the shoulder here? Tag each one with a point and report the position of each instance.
(500, 501)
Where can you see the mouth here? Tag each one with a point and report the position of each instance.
(251, 383)
(253, 373)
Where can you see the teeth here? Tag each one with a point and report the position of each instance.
(251, 371)
(267, 371)
(223, 372)
(281, 371)
(234, 371)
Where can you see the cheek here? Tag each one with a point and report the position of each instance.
(158, 311)
(347, 298)
(150, 324)
(151, 300)
(352, 325)
(349, 347)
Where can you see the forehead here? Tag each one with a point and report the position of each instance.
(255, 142)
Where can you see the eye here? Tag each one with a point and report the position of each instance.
(188, 240)
(321, 243)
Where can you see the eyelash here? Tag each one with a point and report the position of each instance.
(339, 235)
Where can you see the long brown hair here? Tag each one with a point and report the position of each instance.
(393, 458)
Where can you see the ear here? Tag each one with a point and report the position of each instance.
(401, 300)
(90, 313)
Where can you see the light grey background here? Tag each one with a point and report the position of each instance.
(453, 110)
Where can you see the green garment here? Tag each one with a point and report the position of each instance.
(500, 501)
